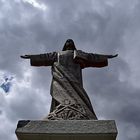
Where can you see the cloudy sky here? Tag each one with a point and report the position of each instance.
(98, 26)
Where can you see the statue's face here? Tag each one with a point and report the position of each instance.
(69, 44)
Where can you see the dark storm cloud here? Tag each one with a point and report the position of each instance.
(85, 24)
(96, 26)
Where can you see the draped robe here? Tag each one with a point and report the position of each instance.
(69, 99)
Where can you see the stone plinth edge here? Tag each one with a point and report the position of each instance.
(66, 129)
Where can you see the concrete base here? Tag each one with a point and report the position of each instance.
(66, 130)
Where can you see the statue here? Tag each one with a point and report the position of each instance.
(69, 99)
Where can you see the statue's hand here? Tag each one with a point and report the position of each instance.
(26, 56)
(112, 56)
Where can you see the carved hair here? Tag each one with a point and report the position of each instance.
(66, 45)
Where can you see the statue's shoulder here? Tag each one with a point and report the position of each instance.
(80, 52)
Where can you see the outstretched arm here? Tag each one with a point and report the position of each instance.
(46, 59)
(91, 59)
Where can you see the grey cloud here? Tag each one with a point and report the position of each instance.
(114, 99)
(28, 104)
(16, 37)
(95, 26)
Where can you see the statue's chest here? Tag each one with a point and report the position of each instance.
(65, 58)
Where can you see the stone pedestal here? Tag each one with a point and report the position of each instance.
(66, 130)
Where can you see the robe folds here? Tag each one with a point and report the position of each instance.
(69, 99)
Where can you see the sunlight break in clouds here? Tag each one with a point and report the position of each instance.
(36, 4)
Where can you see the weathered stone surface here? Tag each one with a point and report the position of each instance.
(69, 98)
(67, 130)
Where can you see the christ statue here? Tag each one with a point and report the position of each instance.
(69, 99)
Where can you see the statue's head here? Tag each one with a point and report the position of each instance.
(69, 45)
